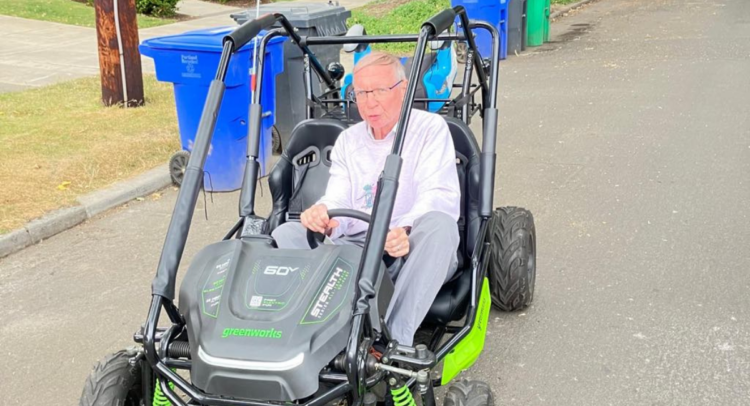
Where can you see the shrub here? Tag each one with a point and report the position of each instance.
(156, 8)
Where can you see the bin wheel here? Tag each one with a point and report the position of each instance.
(276, 146)
(461, 51)
(177, 165)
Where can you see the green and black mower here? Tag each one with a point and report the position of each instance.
(256, 325)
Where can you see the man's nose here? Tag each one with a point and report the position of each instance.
(370, 101)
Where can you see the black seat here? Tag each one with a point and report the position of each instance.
(451, 302)
(300, 177)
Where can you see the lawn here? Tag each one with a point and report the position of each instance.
(65, 12)
(396, 17)
(59, 142)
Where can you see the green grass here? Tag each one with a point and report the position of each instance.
(563, 2)
(59, 142)
(65, 12)
(403, 19)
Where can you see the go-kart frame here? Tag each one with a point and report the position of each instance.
(161, 352)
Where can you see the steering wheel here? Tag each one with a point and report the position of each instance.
(314, 239)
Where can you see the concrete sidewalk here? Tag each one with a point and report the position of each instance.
(200, 9)
(28, 58)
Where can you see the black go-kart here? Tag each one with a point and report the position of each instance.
(261, 326)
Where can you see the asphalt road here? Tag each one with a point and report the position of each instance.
(628, 137)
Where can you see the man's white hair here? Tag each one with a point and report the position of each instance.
(378, 58)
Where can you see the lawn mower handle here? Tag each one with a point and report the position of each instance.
(247, 31)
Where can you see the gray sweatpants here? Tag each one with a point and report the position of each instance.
(431, 262)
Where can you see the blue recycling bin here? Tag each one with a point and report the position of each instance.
(190, 61)
(494, 12)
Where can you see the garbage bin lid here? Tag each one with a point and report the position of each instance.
(206, 39)
(300, 14)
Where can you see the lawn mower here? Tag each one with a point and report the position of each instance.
(256, 325)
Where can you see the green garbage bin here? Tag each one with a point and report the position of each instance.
(537, 20)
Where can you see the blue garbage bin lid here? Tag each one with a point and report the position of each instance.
(206, 39)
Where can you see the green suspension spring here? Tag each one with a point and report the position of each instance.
(402, 396)
(160, 399)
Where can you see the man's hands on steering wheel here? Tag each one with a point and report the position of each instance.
(316, 219)
(397, 242)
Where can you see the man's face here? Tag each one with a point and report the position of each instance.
(380, 109)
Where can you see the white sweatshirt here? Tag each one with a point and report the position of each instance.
(428, 179)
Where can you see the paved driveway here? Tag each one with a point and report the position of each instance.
(628, 137)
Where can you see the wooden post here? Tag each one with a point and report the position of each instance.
(121, 77)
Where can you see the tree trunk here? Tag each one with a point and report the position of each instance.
(121, 78)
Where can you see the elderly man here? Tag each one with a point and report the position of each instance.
(423, 228)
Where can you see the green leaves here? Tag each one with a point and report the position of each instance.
(156, 8)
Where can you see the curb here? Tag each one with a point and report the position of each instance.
(14, 241)
(88, 206)
(123, 192)
(567, 9)
(55, 222)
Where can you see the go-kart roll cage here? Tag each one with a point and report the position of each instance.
(461, 106)
(164, 357)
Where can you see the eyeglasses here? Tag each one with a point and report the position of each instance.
(378, 94)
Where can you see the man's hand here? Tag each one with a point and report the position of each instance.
(316, 219)
(397, 243)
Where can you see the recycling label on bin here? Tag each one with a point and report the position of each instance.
(190, 60)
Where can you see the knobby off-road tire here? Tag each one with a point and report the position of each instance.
(512, 267)
(113, 382)
(469, 393)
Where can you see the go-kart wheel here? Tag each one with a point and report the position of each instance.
(114, 382)
(314, 239)
(469, 393)
(276, 147)
(178, 165)
(512, 268)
